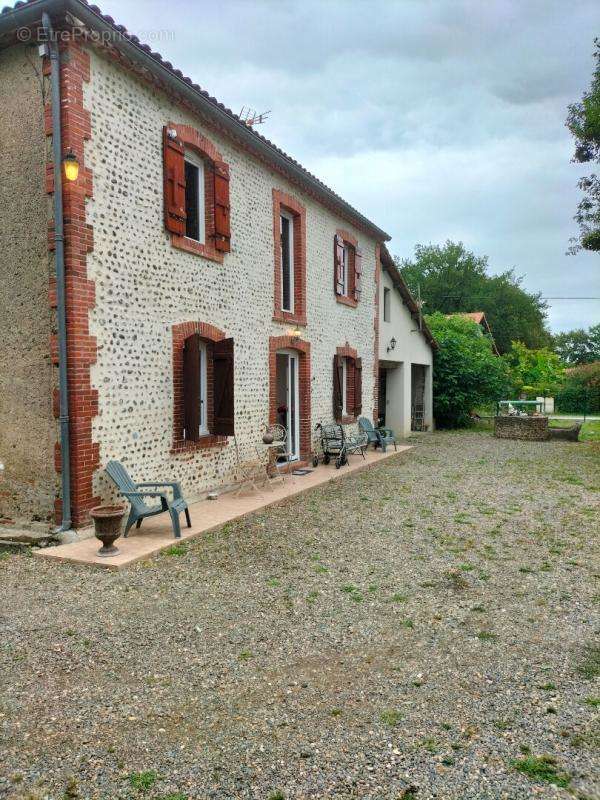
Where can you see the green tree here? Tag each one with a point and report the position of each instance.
(466, 372)
(452, 279)
(580, 392)
(583, 121)
(540, 370)
(578, 346)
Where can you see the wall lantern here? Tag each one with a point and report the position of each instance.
(391, 345)
(295, 333)
(71, 166)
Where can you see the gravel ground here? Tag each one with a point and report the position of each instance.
(424, 629)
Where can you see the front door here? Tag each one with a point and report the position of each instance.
(288, 399)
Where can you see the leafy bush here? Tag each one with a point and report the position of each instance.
(466, 373)
(580, 392)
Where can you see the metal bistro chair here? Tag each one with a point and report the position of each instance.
(136, 492)
(281, 451)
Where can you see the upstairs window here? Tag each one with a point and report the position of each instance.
(196, 193)
(195, 207)
(286, 222)
(347, 268)
(289, 262)
(387, 297)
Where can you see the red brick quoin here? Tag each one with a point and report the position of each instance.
(303, 348)
(204, 148)
(180, 333)
(80, 291)
(285, 202)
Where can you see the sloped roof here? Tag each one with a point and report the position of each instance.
(387, 262)
(480, 319)
(26, 13)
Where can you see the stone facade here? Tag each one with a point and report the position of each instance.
(144, 286)
(531, 428)
(27, 427)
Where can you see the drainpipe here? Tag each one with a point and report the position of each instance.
(59, 257)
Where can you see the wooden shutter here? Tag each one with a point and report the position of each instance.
(338, 264)
(357, 387)
(337, 388)
(357, 273)
(223, 417)
(191, 388)
(222, 208)
(174, 182)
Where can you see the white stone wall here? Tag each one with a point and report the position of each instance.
(411, 348)
(144, 286)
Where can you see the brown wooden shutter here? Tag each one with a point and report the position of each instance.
(358, 387)
(338, 264)
(174, 182)
(357, 273)
(337, 388)
(223, 418)
(222, 208)
(191, 388)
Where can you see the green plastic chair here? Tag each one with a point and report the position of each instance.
(379, 437)
(139, 509)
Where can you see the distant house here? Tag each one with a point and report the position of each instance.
(480, 319)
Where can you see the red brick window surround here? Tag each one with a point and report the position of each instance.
(209, 334)
(353, 387)
(290, 207)
(204, 149)
(304, 385)
(350, 294)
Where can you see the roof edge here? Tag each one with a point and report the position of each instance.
(28, 12)
(387, 262)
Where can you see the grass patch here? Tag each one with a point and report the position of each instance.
(589, 666)
(143, 781)
(175, 550)
(245, 655)
(542, 769)
(390, 717)
(486, 636)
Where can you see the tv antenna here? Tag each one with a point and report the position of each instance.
(250, 117)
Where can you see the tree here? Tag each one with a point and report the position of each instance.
(583, 121)
(541, 371)
(452, 279)
(578, 346)
(466, 372)
(580, 392)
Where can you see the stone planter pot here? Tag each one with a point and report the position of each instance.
(107, 524)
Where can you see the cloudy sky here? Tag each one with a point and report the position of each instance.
(438, 119)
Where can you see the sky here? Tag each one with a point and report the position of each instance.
(437, 119)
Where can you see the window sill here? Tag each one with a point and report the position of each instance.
(207, 251)
(346, 301)
(289, 316)
(187, 446)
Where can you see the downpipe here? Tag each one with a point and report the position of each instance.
(59, 257)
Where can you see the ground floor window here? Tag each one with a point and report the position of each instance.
(347, 385)
(203, 384)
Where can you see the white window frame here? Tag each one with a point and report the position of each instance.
(203, 354)
(195, 160)
(344, 387)
(290, 218)
(387, 304)
(346, 268)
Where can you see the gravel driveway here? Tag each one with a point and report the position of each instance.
(427, 628)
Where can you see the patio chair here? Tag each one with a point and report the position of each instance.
(379, 437)
(136, 492)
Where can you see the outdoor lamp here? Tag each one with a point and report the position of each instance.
(295, 333)
(71, 166)
(392, 344)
